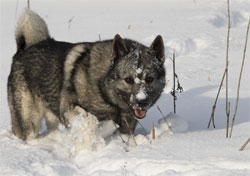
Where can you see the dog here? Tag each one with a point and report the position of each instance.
(118, 79)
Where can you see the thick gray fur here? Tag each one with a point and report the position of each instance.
(109, 79)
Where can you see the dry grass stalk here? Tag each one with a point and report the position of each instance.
(225, 74)
(164, 119)
(17, 2)
(153, 131)
(179, 87)
(174, 96)
(227, 62)
(214, 106)
(69, 22)
(238, 89)
(28, 4)
(131, 133)
(243, 146)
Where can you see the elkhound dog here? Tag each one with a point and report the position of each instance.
(117, 79)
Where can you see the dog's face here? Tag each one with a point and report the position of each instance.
(137, 75)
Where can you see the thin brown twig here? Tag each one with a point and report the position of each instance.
(244, 145)
(214, 106)
(222, 80)
(153, 130)
(70, 22)
(227, 51)
(212, 115)
(28, 4)
(131, 133)
(164, 119)
(174, 96)
(17, 2)
(238, 89)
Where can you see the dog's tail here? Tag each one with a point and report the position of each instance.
(31, 29)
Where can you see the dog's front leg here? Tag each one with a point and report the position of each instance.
(128, 123)
(66, 108)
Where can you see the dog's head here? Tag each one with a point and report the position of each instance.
(137, 76)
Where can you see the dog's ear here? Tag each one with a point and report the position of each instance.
(157, 47)
(119, 47)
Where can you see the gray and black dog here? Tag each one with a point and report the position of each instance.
(117, 79)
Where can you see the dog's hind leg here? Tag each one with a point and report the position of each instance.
(52, 120)
(25, 115)
(16, 117)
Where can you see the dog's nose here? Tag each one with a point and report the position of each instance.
(142, 103)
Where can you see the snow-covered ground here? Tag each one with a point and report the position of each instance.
(196, 30)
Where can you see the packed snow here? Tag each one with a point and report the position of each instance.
(141, 95)
(196, 31)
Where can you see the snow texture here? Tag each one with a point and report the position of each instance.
(195, 30)
(141, 95)
(138, 70)
(137, 80)
(173, 122)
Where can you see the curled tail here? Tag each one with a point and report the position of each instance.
(31, 29)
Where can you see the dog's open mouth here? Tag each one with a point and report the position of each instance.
(140, 113)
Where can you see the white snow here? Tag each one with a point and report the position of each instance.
(174, 123)
(196, 31)
(141, 95)
(138, 70)
(137, 80)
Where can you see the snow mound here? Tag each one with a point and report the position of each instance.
(84, 133)
(106, 128)
(173, 122)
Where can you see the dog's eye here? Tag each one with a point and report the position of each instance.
(129, 80)
(149, 79)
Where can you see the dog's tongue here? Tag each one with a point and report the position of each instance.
(140, 113)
